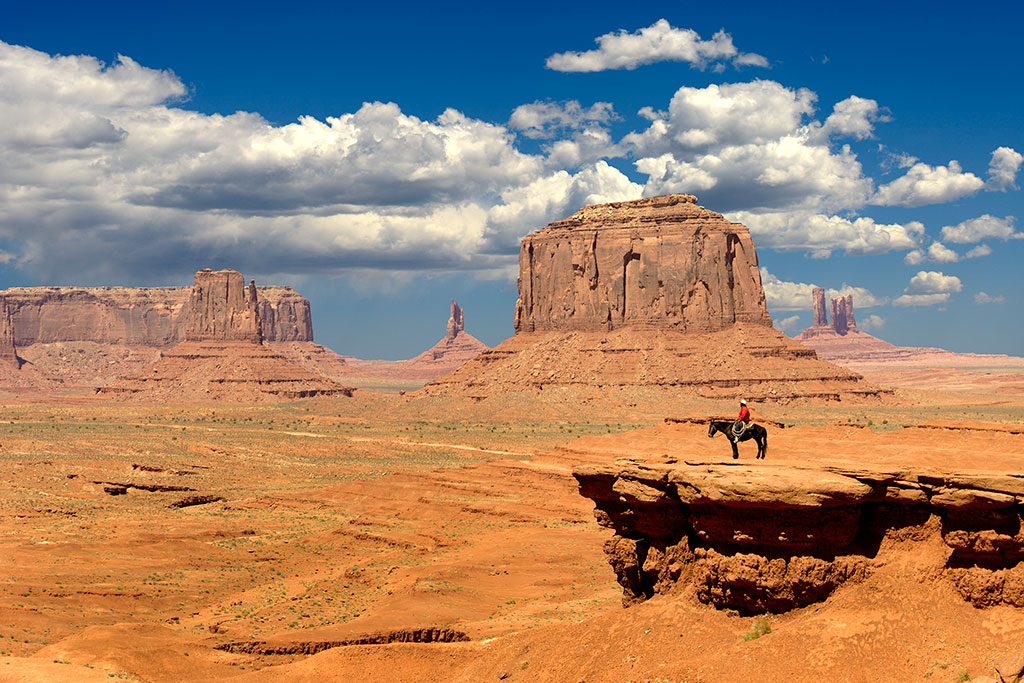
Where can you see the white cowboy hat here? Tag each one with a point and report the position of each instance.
(743, 401)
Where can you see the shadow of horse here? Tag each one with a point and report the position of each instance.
(755, 431)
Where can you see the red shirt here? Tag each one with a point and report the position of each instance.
(744, 415)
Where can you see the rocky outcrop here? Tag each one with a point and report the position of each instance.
(143, 316)
(223, 308)
(657, 293)
(661, 261)
(769, 538)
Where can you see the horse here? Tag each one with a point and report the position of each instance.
(755, 431)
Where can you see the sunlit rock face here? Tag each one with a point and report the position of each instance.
(661, 261)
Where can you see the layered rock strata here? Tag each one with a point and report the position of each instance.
(770, 538)
(144, 316)
(223, 358)
(657, 293)
(662, 261)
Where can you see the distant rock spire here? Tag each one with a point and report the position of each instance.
(842, 314)
(456, 323)
(820, 317)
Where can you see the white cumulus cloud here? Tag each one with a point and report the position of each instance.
(980, 228)
(929, 288)
(983, 298)
(548, 119)
(1002, 169)
(924, 184)
(854, 116)
(659, 42)
(789, 325)
(822, 234)
(872, 323)
(978, 251)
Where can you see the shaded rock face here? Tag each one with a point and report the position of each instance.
(662, 261)
(818, 297)
(222, 308)
(774, 538)
(842, 314)
(147, 316)
(8, 355)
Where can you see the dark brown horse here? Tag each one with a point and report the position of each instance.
(756, 432)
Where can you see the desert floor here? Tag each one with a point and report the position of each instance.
(171, 543)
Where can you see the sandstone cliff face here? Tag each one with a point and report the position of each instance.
(146, 316)
(662, 261)
(770, 538)
(223, 308)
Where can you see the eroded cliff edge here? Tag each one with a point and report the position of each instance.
(758, 537)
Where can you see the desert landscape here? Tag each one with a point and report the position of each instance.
(194, 490)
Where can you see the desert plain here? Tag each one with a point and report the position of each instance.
(549, 510)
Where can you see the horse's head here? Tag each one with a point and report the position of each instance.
(711, 429)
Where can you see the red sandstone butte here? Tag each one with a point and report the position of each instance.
(659, 261)
(657, 293)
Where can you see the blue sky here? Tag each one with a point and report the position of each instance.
(383, 159)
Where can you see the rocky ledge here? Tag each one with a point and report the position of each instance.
(769, 538)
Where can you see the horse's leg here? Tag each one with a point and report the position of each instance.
(735, 451)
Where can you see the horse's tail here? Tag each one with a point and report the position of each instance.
(764, 452)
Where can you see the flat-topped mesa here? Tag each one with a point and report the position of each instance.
(660, 262)
(147, 316)
(223, 308)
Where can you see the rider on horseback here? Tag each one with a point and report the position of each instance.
(742, 422)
